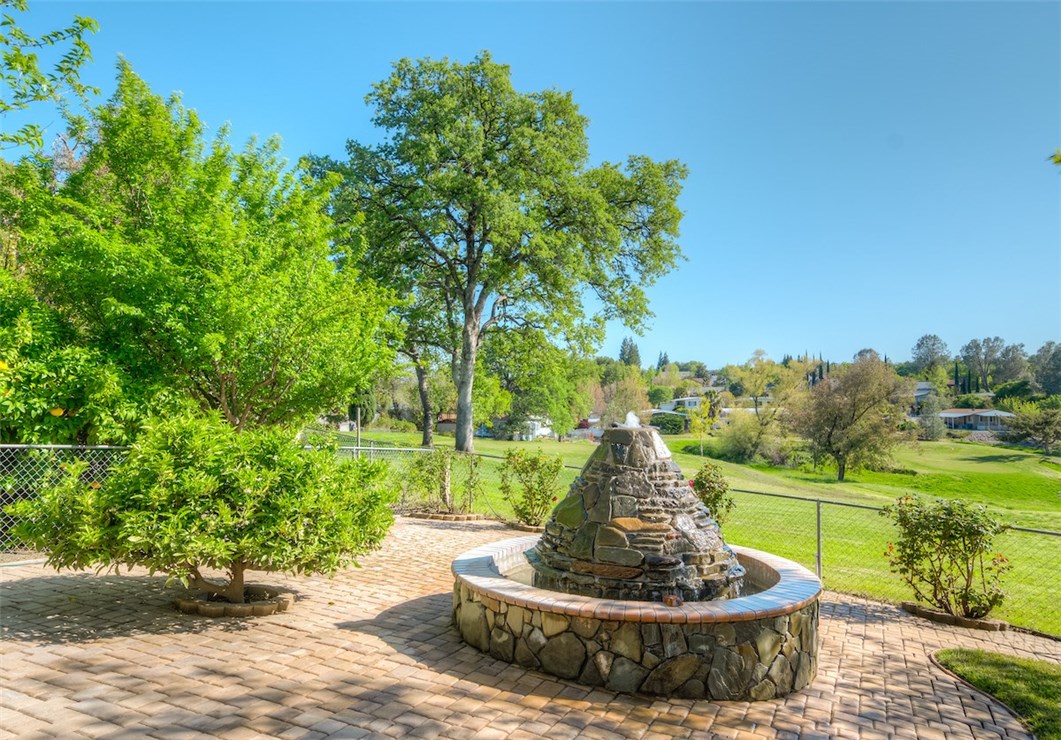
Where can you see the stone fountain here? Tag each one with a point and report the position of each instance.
(632, 587)
(632, 528)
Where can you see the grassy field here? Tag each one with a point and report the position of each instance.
(1015, 483)
(1024, 487)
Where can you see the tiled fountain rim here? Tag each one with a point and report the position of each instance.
(482, 570)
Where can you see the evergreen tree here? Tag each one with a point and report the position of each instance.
(663, 361)
(629, 354)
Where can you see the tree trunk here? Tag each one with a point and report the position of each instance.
(464, 380)
(234, 590)
(841, 468)
(425, 405)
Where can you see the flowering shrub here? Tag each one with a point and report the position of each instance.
(944, 553)
(529, 484)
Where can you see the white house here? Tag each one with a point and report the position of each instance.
(976, 419)
(681, 404)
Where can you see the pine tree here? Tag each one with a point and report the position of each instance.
(629, 354)
(663, 361)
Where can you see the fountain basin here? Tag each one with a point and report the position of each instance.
(755, 647)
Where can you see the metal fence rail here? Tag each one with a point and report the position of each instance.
(844, 543)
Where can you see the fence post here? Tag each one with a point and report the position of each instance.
(818, 555)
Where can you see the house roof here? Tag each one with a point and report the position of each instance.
(958, 413)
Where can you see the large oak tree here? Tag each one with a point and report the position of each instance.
(484, 197)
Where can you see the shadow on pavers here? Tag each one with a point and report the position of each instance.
(861, 612)
(422, 629)
(82, 607)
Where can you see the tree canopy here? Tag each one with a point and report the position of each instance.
(543, 380)
(629, 354)
(981, 357)
(204, 270)
(929, 354)
(486, 195)
(853, 414)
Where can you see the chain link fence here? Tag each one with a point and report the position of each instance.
(844, 543)
(25, 469)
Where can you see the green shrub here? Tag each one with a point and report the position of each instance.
(390, 424)
(193, 493)
(742, 439)
(943, 552)
(433, 478)
(713, 490)
(529, 484)
(429, 479)
(972, 401)
(669, 423)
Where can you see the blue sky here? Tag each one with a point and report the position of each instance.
(861, 173)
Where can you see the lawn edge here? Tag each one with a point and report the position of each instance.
(936, 662)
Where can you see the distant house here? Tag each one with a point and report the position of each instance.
(988, 420)
(923, 390)
(446, 423)
(681, 404)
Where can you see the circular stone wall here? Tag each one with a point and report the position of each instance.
(755, 647)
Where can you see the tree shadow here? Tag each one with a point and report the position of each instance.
(422, 629)
(862, 612)
(1000, 458)
(468, 526)
(83, 607)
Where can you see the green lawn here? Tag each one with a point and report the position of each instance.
(1031, 688)
(1015, 483)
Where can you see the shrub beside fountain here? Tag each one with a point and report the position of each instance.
(632, 587)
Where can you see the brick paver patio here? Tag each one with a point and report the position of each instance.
(372, 653)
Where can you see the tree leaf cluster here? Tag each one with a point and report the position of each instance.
(205, 270)
(27, 80)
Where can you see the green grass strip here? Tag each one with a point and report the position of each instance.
(1031, 688)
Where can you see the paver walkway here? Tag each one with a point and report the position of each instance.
(372, 653)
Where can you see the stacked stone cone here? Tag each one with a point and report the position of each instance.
(631, 528)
